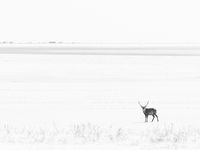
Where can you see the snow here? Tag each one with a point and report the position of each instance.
(91, 102)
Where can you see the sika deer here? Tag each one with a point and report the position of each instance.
(149, 111)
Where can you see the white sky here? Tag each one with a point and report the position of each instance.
(100, 20)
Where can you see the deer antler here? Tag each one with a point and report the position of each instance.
(139, 103)
(147, 104)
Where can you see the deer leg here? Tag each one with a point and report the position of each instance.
(153, 118)
(146, 118)
(156, 117)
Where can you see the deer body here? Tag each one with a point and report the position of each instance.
(149, 112)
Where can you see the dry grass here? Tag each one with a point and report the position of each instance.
(163, 134)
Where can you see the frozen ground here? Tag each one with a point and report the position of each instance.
(90, 102)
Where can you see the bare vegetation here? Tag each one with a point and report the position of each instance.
(154, 134)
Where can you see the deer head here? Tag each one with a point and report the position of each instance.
(143, 107)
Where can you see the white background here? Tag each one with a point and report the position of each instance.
(55, 90)
(100, 20)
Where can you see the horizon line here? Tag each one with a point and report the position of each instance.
(78, 48)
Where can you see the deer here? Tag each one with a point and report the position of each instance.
(149, 111)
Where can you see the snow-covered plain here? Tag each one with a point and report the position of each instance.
(91, 101)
